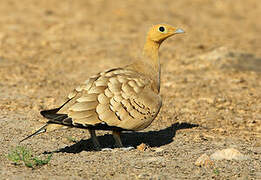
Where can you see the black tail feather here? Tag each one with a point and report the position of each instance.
(52, 116)
(39, 131)
(51, 113)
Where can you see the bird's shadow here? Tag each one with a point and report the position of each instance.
(151, 138)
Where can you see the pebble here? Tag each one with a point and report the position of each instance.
(106, 149)
(127, 148)
(123, 149)
(142, 147)
(228, 154)
(204, 160)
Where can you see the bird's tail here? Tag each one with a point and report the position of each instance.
(56, 121)
(48, 127)
(39, 131)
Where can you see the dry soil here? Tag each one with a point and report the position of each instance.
(211, 85)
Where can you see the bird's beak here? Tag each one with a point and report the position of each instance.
(179, 31)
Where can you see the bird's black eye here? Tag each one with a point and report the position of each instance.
(161, 29)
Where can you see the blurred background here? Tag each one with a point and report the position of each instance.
(210, 75)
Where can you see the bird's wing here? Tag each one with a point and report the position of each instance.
(118, 98)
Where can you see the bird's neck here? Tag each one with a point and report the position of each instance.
(149, 65)
(151, 56)
(151, 52)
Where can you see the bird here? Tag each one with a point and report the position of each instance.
(119, 99)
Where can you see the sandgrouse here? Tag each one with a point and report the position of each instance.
(120, 99)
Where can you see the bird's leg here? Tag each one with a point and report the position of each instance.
(117, 138)
(94, 139)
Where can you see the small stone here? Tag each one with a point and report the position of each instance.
(127, 148)
(204, 160)
(142, 147)
(228, 154)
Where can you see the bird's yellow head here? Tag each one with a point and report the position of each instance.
(160, 32)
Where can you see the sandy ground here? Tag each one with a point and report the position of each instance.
(211, 85)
